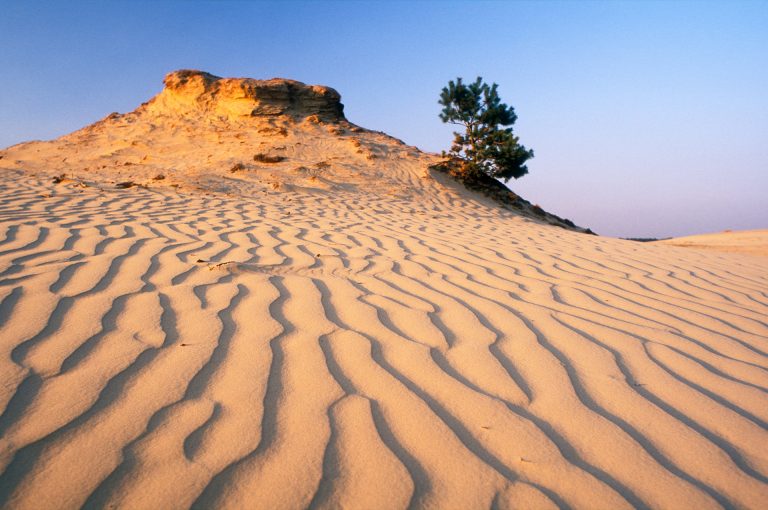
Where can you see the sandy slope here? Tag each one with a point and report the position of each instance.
(751, 242)
(363, 338)
(167, 350)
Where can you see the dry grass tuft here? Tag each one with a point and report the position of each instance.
(266, 158)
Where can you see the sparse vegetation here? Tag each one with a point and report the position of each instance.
(266, 158)
(488, 145)
(282, 131)
(497, 191)
(311, 173)
(237, 167)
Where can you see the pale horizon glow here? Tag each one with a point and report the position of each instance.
(648, 119)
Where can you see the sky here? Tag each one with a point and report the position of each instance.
(647, 119)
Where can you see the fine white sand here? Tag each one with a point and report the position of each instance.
(369, 336)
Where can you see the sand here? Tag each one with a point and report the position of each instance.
(752, 242)
(168, 349)
(372, 336)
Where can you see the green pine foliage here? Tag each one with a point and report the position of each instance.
(488, 145)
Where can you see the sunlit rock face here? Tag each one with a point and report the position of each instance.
(190, 91)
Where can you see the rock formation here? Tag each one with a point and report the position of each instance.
(190, 91)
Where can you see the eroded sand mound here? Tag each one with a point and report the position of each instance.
(241, 137)
(361, 335)
(235, 135)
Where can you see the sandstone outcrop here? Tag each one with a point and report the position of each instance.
(190, 91)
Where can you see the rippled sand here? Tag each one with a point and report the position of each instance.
(365, 350)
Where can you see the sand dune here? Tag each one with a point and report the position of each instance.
(338, 356)
(751, 242)
(397, 343)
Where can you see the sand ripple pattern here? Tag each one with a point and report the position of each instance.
(163, 350)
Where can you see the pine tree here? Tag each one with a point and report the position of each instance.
(487, 145)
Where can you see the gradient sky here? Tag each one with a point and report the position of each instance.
(648, 119)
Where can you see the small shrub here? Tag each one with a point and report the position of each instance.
(309, 172)
(266, 158)
(238, 167)
(274, 131)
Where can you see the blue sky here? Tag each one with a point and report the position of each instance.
(647, 118)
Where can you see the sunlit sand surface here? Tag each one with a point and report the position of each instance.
(751, 242)
(370, 335)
